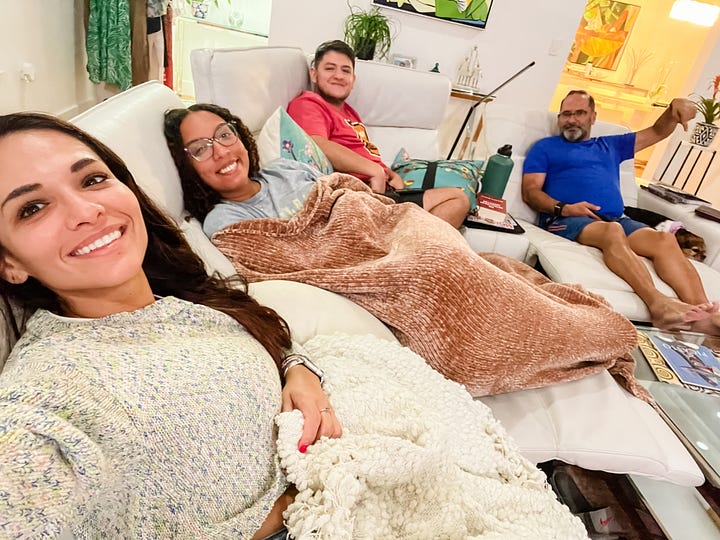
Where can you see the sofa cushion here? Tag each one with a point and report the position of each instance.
(281, 137)
(311, 311)
(595, 424)
(252, 82)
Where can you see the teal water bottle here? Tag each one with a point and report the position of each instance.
(497, 172)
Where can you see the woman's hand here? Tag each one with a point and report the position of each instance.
(303, 391)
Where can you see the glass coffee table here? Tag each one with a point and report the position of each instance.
(693, 415)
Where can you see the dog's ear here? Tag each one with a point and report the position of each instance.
(692, 245)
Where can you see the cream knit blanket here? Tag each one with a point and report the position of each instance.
(419, 458)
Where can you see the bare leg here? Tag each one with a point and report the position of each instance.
(620, 258)
(449, 204)
(675, 269)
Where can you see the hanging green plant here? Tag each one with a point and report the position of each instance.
(368, 32)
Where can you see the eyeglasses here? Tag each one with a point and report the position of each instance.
(580, 114)
(202, 149)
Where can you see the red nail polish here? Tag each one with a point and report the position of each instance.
(303, 448)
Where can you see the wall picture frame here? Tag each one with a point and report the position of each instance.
(603, 33)
(472, 13)
(404, 60)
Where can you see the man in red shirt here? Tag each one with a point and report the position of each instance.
(339, 132)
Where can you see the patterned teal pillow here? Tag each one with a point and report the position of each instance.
(281, 137)
(464, 174)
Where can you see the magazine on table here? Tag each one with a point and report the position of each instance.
(508, 225)
(674, 195)
(695, 365)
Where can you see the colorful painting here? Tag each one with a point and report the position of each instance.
(602, 34)
(470, 12)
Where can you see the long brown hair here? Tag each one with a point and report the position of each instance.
(199, 198)
(172, 268)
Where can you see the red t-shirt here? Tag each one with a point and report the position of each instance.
(317, 117)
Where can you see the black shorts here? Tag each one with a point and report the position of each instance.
(407, 195)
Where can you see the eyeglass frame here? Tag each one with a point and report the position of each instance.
(211, 140)
(580, 114)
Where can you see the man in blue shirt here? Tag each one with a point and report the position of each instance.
(573, 180)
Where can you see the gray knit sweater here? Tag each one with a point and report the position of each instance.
(149, 424)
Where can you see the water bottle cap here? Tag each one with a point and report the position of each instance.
(505, 150)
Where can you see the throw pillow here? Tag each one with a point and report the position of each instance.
(464, 174)
(281, 137)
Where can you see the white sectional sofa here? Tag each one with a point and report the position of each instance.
(403, 108)
(591, 422)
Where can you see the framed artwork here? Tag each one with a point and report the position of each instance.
(468, 12)
(602, 34)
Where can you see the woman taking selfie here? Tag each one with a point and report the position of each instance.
(141, 395)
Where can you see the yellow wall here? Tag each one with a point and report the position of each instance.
(675, 44)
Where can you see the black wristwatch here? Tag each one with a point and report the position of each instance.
(557, 209)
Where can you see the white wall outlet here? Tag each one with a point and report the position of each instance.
(27, 72)
(555, 47)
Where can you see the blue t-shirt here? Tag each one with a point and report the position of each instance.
(583, 171)
(284, 186)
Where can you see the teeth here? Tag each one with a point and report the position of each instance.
(229, 168)
(100, 242)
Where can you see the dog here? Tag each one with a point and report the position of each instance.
(692, 245)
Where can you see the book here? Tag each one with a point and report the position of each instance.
(490, 209)
(708, 212)
(674, 195)
(695, 365)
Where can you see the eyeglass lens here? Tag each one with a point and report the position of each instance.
(201, 149)
(580, 113)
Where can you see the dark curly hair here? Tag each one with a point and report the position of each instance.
(200, 198)
(171, 266)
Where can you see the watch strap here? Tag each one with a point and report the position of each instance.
(295, 359)
(558, 208)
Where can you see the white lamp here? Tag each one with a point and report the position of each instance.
(694, 12)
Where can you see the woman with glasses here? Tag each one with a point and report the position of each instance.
(218, 163)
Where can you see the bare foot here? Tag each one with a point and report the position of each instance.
(709, 326)
(673, 314)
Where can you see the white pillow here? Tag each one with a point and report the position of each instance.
(311, 311)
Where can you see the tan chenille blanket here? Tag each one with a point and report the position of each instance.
(488, 322)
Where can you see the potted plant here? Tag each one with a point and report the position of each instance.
(367, 32)
(709, 108)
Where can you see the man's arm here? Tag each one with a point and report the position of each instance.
(538, 200)
(345, 160)
(680, 111)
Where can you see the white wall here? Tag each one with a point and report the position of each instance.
(48, 34)
(515, 35)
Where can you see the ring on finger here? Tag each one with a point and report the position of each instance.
(326, 409)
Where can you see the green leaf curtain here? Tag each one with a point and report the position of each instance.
(108, 43)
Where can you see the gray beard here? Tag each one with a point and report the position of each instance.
(573, 134)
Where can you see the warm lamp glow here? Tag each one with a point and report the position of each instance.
(694, 12)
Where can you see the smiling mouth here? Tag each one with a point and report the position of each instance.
(229, 168)
(97, 244)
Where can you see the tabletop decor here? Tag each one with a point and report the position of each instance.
(367, 32)
(709, 108)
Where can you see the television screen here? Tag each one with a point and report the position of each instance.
(469, 12)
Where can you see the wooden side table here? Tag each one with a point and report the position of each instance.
(691, 149)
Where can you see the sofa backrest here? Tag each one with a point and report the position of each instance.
(505, 124)
(400, 107)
